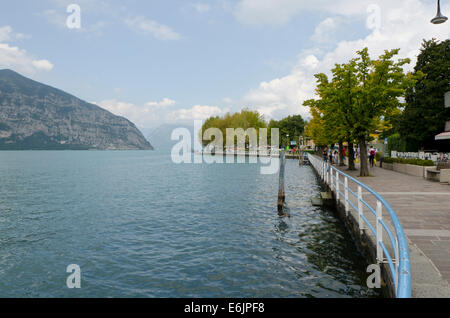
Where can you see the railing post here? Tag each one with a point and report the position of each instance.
(331, 179)
(337, 186)
(397, 263)
(323, 170)
(360, 211)
(328, 177)
(347, 207)
(380, 257)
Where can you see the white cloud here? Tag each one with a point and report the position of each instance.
(165, 102)
(325, 29)
(404, 24)
(310, 62)
(43, 65)
(7, 34)
(197, 112)
(154, 113)
(18, 59)
(140, 115)
(153, 28)
(282, 11)
(146, 116)
(201, 7)
(281, 96)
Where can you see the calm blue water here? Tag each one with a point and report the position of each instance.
(140, 226)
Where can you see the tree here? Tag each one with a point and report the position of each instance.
(381, 84)
(316, 128)
(245, 119)
(424, 116)
(335, 105)
(361, 93)
(339, 99)
(293, 126)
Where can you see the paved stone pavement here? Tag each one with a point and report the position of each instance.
(423, 208)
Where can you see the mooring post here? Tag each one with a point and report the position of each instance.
(281, 193)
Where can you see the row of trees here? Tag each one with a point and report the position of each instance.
(245, 119)
(366, 95)
(290, 128)
(360, 97)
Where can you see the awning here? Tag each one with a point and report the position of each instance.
(443, 136)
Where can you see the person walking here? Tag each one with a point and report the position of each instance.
(325, 154)
(372, 156)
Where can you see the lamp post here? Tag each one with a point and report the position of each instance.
(439, 18)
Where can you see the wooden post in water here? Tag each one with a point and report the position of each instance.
(281, 193)
(300, 152)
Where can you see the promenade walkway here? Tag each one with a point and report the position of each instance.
(423, 208)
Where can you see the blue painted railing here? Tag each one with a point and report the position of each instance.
(399, 263)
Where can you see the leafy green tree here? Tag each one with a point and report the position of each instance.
(337, 96)
(316, 127)
(381, 84)
(424, 115)
(362, 92)
(293, 126)
(336, 105)
(245, 119)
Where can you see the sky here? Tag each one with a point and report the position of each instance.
(175, 61)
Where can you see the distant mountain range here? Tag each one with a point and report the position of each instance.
(161, 136)
(37, 116)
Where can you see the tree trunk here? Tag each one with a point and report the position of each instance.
(341, 154)
(351, 157)
(364, 171)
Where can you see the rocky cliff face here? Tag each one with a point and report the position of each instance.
(37, 116)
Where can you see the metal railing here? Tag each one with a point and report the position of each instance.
(399, 264)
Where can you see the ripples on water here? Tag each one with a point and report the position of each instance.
(140, 226)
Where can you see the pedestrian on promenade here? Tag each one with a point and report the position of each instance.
(371, 156)
(325, 154)
(344, 154)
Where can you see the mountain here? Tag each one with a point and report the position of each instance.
(161, 136)
(37, 116)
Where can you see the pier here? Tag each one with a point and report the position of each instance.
(273, 154)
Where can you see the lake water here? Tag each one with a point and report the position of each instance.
(140, 226)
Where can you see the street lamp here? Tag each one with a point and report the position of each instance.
(439, 18)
